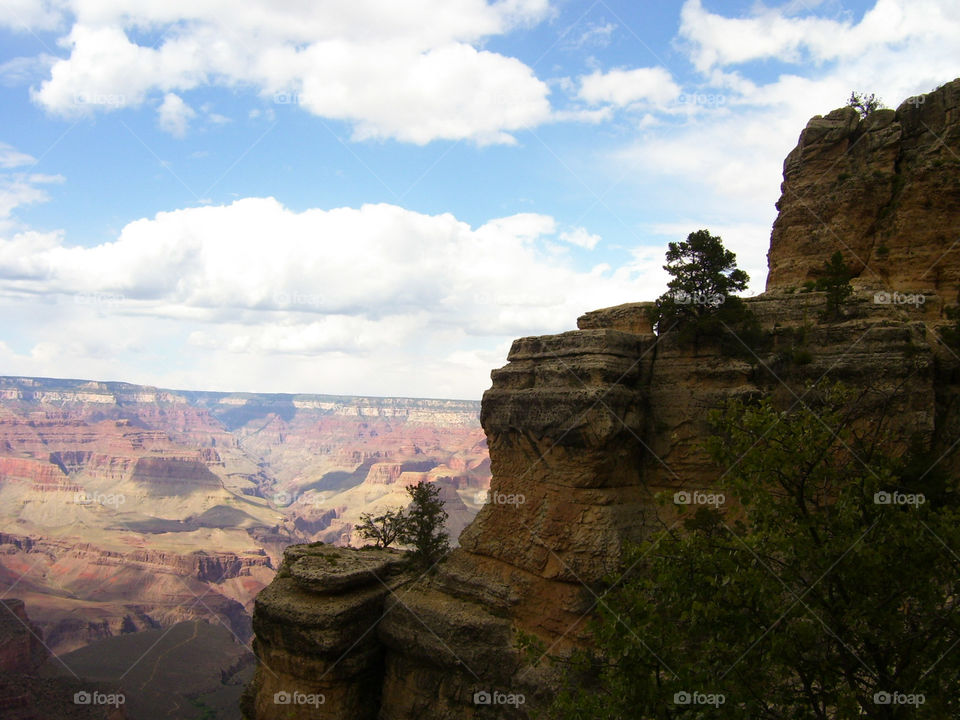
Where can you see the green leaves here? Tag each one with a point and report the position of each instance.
(701, 300)
(833, 593)
(423, 529)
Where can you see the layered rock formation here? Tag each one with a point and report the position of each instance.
(586, 427)
(120, 504)
(884, 190)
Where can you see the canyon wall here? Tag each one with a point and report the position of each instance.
(585, 427)
(121, 504)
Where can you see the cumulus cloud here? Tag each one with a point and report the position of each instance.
(776, 33)
(408, 71)
(581, 237)
(18, 189)
(173, 115)
(375, 286)
(627, 87)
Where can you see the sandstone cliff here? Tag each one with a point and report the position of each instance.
(585, 427)
(884, 190)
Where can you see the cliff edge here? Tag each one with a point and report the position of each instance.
(586, 426)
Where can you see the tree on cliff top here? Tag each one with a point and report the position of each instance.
(700, 299)
(423, 528)
(830, 590)
(864, 104)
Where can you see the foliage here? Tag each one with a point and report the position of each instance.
(864, 104)
(700, 302)
(423, 528)
(807, 598)
(384, 529)
(835, 280)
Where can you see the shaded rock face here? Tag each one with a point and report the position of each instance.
(24, 694)
(884, 190)
(318, 656)
(585, 427)
(21, 650)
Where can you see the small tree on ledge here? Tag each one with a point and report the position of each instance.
(383, 529)
(423, 528)
(700, 300)
(836, 281)
(864, 104)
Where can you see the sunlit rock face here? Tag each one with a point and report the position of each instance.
(121, 504)
(587, 427)
(884, 190)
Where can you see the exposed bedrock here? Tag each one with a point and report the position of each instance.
(586, 427)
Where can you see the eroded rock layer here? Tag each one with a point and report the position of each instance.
(585, 428)
(884, 190)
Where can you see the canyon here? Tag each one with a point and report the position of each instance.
(127, 508)
(590, 426)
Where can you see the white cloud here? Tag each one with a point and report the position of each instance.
(18, 189)
(11, 157)
(174, 115)
(627, 87)
(252, 283)
(776, 33)
(30, 15)
(581, 237)
(409, 71)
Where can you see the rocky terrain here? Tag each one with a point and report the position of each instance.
(125, 508)
(586, 427)
(26, 694)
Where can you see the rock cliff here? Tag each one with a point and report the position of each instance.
(885, 190)
(585, 427)
(25, 694)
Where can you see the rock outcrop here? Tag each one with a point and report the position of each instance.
(25, 694)
(317, 655)
(884, 190)
(586, 427)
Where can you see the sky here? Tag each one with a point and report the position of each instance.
(376, 197)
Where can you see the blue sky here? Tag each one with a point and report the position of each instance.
(377, 197)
